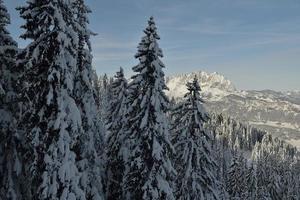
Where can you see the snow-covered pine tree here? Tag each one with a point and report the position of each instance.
(270, 158)
(116, 109)
(295, 178)
(261, 174)
(194, 161)
(221, 153)
(149, 170)
(115, 124)
(267, 177)
(91, 140)
(105, 81)
(251, 182)
(233, 178)
(104, 96)
(10, 165)
(97, 89)
(274, 186)
(243, 180)
(53, 123)
(236, 177)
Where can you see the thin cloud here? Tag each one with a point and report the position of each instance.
(108, 49)
(234, 27)
(111, 43)
(112, 56)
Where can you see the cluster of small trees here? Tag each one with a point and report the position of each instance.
(54, 143)
(251, 163)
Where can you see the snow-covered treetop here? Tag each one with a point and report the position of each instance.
(82, 11)
(148, 49)
(193, 87)
(148, 42)
(4, 18)
(52, 16)
(117, 105)
(191, 113)
(5, 39)
(119, 86)
(8, 51)
(150, 75)
(120, 74)
(50, 23)
(194, 98)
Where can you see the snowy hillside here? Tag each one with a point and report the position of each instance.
(276, 112)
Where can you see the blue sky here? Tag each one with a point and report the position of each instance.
(254, 43)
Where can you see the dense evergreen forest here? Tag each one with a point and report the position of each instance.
(69, 134)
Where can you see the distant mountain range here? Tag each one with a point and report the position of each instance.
(273, 111)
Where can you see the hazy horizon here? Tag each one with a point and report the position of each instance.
(255, 44)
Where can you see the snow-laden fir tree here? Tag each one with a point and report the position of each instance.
(10, 165)
(295, 178)
(97, 88)
(236, 177)
(233, 178)
(104, 96)
(258, 159)
(115, 124)
(91, 139)
(148, 170)
(221, 153)
(53, 123)
(268, 178)
(194, 161)
(251, 182)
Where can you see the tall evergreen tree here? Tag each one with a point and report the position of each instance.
(234, 178)
(295, 178)
(91, 143)
(115, 124)
(261, 173)
(251, 182)
(148, 171)
(10, 165)
(104, 95)
(53, 123)
(194, 163)
(97, 89)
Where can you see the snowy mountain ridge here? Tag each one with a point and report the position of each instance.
(273, 111)
(213, 85)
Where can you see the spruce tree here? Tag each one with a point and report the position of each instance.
(10, 164)
(104, 95)
(237, 178)
(251, 182)
(234, 178)
(97, 89)
(53, 122)
(295, 177)
(148, 170)
(91, 139)
(115, 124)
(194, 161)
(274, 187)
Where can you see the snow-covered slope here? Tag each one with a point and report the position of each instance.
(276, 112)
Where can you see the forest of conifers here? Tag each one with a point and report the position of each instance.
(67, 134)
